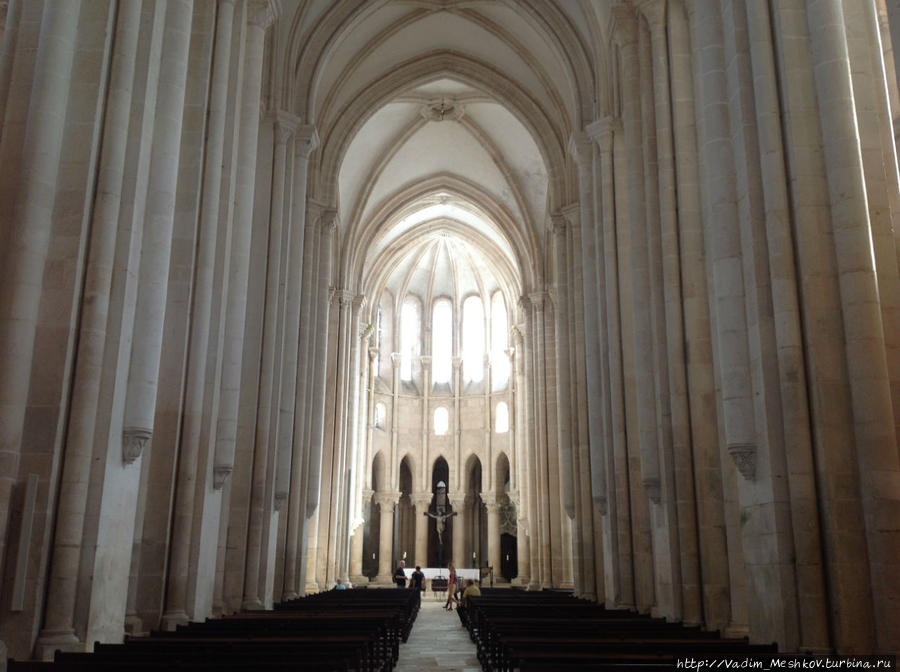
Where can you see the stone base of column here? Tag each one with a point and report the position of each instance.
(534, 584)
(134, 625)
(50, 641)
(384, 580)
(252, 605)
(289, 595)
(566, 585)
(173, 619)
(520, 581)
(311, 587)
(359, 580)
(736, 631)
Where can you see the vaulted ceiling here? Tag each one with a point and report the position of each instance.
(443, 118)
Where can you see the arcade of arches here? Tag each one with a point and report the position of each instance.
(620, 275)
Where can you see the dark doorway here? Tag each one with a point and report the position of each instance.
(439, 556)
(509, 559)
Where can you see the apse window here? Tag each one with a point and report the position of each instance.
(380, 415)
(409, 337)
(501, 418)
(499, 343)
(441, 421)
(473, 340)
(442, 341)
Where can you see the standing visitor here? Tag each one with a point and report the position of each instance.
(400, 575)
(451, 588)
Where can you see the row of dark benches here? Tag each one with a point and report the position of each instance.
(337, 631)
(551, 631)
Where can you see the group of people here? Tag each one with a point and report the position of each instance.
(417, 583)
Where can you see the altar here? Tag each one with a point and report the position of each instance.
(444, 573)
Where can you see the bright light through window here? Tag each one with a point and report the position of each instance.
(473, 339)
(499, 343)
(379, 416)
(441, 421)
(409, 337)
(501, 421)
(442, 341)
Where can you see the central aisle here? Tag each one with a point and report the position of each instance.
(437, 642)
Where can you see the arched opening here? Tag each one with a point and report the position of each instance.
(439, 547)
(509, 559)
(405, 525)
(372, 524)
(476, 517)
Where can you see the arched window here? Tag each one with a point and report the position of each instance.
(380, 414)
(473, 339)
(501, 418)
(499, 343)
(441, 421)
(442, 341)
(409, 337)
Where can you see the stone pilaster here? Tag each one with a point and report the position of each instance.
(387, 503)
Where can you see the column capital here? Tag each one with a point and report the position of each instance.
(537, 300)
(490, 502)
(580, 148)
(655, 13)
(395, 359)
(386, 500)
(328, 221)
(285, 125)
(421, 500)
(306, 139)
(603, 131)
(558, 224)
(457, 500)
(373, 354)
(262, 13)
(622, 24)
(367, 495)
(426, 360)
(134, 439)
(457, 362)
(359, 301)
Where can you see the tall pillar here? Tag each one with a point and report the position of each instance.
(864, 343)
(421, 501)
(292, 426)
(563, 403)
(357, 543)
(59, 618)
(328, 223)
(156, 246)
(258, 18)
(28, 238)
(458, 503)
(387, 503)
(711, 539)
(493, 530)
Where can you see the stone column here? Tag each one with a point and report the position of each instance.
(493, 530)
(357, 543)
(864, 343)
(563, 403)
(655, 11)
(258, 18)
(791, 366)
(328, 223)
(421, 501)
(156, 246)
(292, 427)
(458, 503)
(695, 299)
(387, 502)
(581, 150)
(626, 35)
(59, 614)
(30, 226)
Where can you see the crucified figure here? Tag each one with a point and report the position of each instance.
(440, 522)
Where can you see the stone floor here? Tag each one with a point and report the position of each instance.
(438, 643)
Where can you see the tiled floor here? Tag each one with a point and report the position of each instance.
(437, 643)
